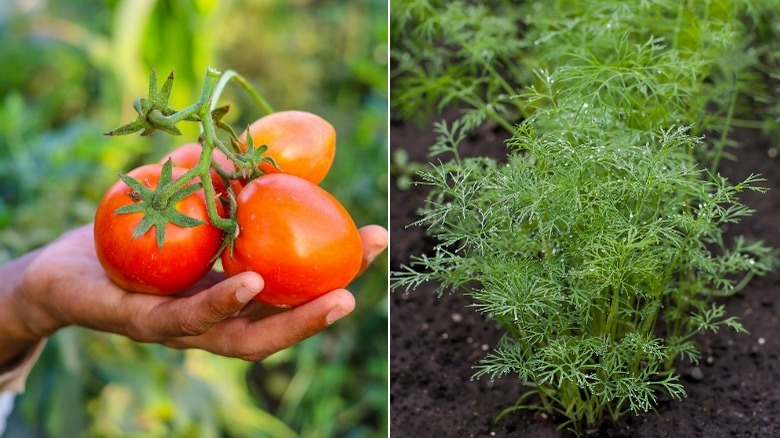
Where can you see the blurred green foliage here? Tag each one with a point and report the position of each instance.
(77, 66)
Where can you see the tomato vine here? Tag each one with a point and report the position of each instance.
(155, 114)
(295, 234)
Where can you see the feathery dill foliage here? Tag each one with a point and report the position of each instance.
(455, 52)
(598, 246)
(764, 110)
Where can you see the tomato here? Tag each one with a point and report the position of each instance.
(188, 156)
(302, 144)
(297, 236)
(137, 264)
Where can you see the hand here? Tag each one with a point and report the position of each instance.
(64, 284)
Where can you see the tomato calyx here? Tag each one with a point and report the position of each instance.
(157, 211)
(251, 160)
(154, 111)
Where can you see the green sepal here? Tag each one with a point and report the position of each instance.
(254, 157)
(165, 91)
(159, 217)
(146, 223)
(185, 191)
(272, 162)
(160, 234)
(129, 128)
(173, 130)
(156, 101)
(250, 142)
(178, 218)
(166, 173)
(130, 208)
(136, 185)
(153, 83)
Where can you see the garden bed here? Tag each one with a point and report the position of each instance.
(435, 342)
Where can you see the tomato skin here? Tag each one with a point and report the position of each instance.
(302, 144)
(137, 264)
(297, 236)
(188, 156)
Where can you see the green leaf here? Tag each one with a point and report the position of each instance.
(220, 112)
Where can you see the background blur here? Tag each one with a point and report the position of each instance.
(70, 71)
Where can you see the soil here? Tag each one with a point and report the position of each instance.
(733, 392)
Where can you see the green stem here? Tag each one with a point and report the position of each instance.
(221, 171)
(162, 120)
(200, 105)
(610, 328)
(723, 135)
(231, 74)
(205, 95)
(744, 123)
(201, 170)
(744, 282)
(495, 116)
(227, 225)
(224, 149)
(501, 81)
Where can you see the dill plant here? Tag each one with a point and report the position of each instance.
(456, 52)
(598, 246)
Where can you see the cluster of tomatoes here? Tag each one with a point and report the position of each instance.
(291, 231)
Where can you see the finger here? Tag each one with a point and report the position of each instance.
(195, 315)
(258, 310)
(374, 239)
(209, 280)
(257, 339)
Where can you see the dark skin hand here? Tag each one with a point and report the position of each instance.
(64, 284)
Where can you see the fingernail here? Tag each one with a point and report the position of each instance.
(244, 294)
(334, 315)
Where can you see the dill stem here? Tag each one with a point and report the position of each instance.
(725, 132)
(744, 123)
(492, 113)
(500, 79)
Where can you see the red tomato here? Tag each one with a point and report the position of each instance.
(188, 156)
(137, 264)
(303, 144)
(297, 236)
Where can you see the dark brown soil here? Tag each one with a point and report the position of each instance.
(734, 392)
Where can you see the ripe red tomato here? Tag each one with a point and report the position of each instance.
(297, 236)
(137, 264)
(188, 156)
(303, 144)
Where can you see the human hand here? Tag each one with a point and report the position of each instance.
(64, 284)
